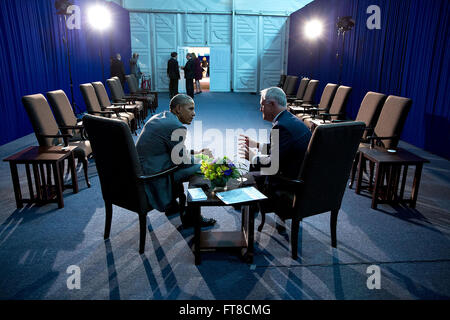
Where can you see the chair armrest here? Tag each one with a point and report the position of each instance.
(117, 109)
(328, 115)
(77, 127)
(119, 103)
(72, 127)
(289, 183)
(381, 138)
(101, 112)
(337, 120)
(372, 139)
(64, 136)
(159, 174)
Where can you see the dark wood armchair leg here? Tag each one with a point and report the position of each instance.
(263, 220)
(353, 170)
(142, 232)
(294, 237)
(108, 211)
(333, 223)
(85, 169)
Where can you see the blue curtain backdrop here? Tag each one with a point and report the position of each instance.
(408, 57)
(33, 57)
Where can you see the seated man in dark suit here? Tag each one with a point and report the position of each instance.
(161, 146)
(284, 155)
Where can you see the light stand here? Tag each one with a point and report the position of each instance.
(61, 7)
(343, 25)
(99, 18)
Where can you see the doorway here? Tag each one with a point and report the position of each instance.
(202, 54)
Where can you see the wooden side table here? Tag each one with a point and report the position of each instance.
(243, 238)
(39, 157)
(390, 165)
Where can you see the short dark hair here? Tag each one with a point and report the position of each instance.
(173, 54)
(180, 98)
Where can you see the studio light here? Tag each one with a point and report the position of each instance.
(61, 6)
(313, 29)
(345, 24)
(99, 17)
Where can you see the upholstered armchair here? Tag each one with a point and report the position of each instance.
(122, 180)
(321, 183)
(48, 133)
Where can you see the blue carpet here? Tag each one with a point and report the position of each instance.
(38, 244)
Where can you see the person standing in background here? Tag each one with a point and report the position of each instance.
(189, 75)
(134, 67)
(117, 69)
(173, 73)
(198, 73)
(205, 65)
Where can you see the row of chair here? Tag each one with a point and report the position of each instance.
(66, 128)
(384, 116)
(62, 126)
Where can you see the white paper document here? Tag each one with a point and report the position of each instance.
(197, 194)
(241, 195)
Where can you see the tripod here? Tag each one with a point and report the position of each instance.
(341, 56)
(66, 42)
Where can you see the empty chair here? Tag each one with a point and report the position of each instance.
(146, 99)
(368, 112)
(321, 183)
(122, 180)
(336, 111)
(389, 127)
(282, 80)
(62, 110)
(49, 134)
(93, 106)
(118, 96)
(150, 96)
(300, 91)
(289, 86)
(325, 100)
(308, 98)
(106, 104)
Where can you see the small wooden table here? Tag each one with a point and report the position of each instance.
(38, 157)
(243, 238)
(390, 164)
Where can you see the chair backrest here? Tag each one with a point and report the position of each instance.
(290, 87)
(119, 85)
(90, 98)
(302, 88)
(327, 95)
(370, 108)
(117, 162)
(101, 93)
(132, 83)
(340, 101)
(115, 88)
(42, 119)
(308, 97)
(61, 108)
(282, 80)
(326, 167)
(285, 83)
(392, 119)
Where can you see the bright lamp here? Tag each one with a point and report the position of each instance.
(313, 29)
(99, 17)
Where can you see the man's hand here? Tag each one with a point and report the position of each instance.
(206, 152)
(243, 139)
(245, 152)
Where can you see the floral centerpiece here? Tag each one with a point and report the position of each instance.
(219, 171)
